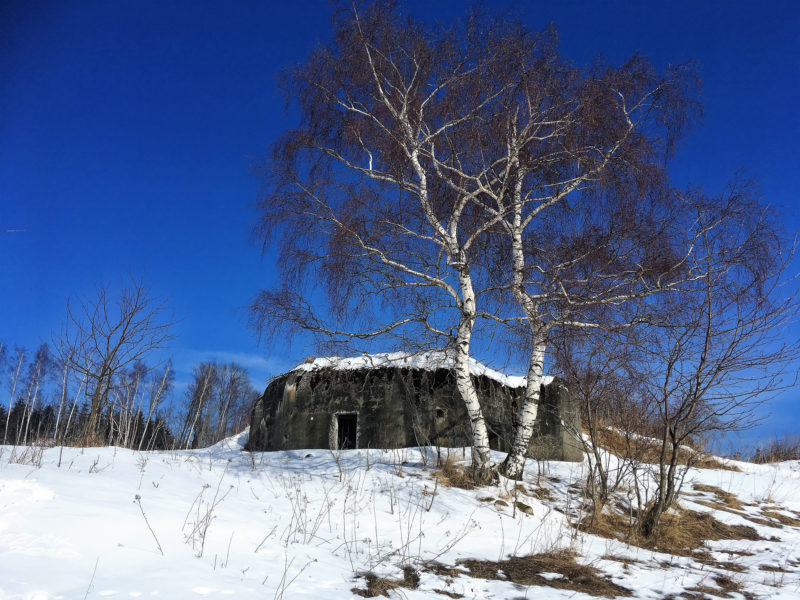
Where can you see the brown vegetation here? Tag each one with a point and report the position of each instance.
(681, 532)
(721, 497)
(724, 587)
(527, 570)
(450, 473)
(380, 586)
(779, 450)
(648, 450)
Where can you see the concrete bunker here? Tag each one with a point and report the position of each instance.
(398, 400)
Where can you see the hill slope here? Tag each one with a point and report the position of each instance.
(318, 525)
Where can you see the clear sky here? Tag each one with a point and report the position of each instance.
(127, 132)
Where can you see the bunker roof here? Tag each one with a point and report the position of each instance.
(429, 360)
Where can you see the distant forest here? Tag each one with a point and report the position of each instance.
(44, 401)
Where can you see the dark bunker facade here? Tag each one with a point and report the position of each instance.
(357, 403)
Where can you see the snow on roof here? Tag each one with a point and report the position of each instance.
(430, 360)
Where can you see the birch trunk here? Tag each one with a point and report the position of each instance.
(514, 465)
(11, 398)
(481, 459)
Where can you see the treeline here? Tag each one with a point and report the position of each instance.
(50, 403)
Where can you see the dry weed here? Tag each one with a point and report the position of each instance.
(449, 594)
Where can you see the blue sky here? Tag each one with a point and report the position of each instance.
(127, 132)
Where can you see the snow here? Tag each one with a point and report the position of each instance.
(304, 524)
(429, 360)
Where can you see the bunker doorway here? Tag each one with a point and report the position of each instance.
(346, 430)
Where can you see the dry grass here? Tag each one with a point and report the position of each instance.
(730, 503)
(721, 497)
(450, 473)
(725, 587)
(539, 492)
(782, 518)
(706, 461)
(773, 569)
(380, 586)
(526, 570)
(778, 450)
(449, 594)
(681, 532)
(648, 450)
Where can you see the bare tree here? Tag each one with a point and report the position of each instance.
(374, 194)
(721, 348)
(14, 372)
(584, 201)
(217, 404)
(437, 170)
(108, 333)
(39, 371)
(595, 367)
(159, 387)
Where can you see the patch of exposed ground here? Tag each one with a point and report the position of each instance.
(681, 532)
(724, 588)
(380, 586)
(560, 567)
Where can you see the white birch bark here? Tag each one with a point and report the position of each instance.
(481, 459)
(12, 396)
(515, 461)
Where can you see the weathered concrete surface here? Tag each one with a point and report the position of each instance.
(401, 407)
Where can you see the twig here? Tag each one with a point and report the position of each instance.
(91, 581)
(138, 501)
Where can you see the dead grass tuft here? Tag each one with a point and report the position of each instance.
(450, 473)
(706, 461)
(782, 518)
(726, 499)
(380, 586)
(648, 450)
(526, 570)
(539, 492)
(773, 569)
(681, 532)
(449, 594)
(726, 586)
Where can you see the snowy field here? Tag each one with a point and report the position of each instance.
(220, 522)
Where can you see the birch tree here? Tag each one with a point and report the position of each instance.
(587, 210)
(374, 193)
(448, 170)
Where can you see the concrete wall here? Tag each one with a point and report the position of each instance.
(401, 407)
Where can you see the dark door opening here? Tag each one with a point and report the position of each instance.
(346, 428)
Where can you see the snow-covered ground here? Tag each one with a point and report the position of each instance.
(221, 522)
